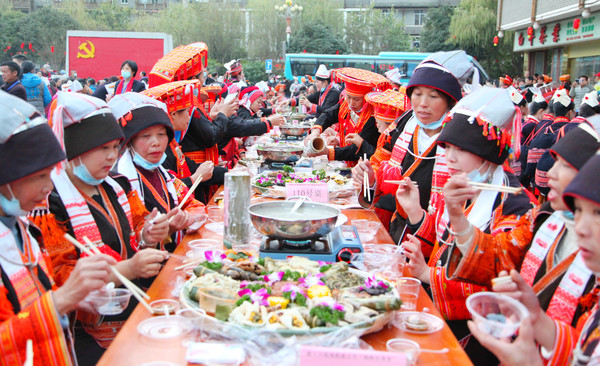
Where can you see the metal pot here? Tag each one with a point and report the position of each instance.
(294, 116)
(310, 221)
(294, 130)
(280, 153)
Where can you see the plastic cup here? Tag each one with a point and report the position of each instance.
(211, 243)
(195, 317)
(408, 288)
(215, 214)
(162, 305)
(109, 302)
(374, 263)
(498, 315)
(411, 349)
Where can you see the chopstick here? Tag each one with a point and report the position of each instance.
(90, 253)
(191, 263)
(492, 187)
(29, 354)
(190, 191)
(116, 272)
(366, 188)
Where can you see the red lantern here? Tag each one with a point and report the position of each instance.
(52, 49)
(530, 31)
(23, 45)
(337, 52)
(576, 24)
(496, 40)
(30, 45)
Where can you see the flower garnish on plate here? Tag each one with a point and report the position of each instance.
(374, 286)
(260, 296)
(214, 259)
(273, 277)
(294, 293)
(311, 280)
(328, 312)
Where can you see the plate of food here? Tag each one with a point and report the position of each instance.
(418, 322)
(272, 183)
(294, 297)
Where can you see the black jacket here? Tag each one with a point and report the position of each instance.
(101, 91)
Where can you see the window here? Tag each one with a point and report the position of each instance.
(362, 64)
(420, 17)
(124, 1)
(303, 66)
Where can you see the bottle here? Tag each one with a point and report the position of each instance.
(236, 218)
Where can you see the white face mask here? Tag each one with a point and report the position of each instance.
(11, 207)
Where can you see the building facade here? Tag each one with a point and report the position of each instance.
(411, 12)
(556, 36)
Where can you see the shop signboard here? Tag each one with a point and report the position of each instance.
(559, 33)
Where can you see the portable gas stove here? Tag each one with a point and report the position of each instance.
(303, 165)
(285, 137)
(337, 246)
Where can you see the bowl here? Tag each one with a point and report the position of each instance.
(498, 315)
(204, 243)
(109, 302)
(211, 297)
(411, 349)
(159, 306)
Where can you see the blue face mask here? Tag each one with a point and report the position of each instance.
(476, 176)
(11, 207)
(125, 74)
(323, 89)
(145, 164)
(81, 171)
(569, 215)
(431, 126)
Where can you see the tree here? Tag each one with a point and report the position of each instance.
(473, 27)
(220, 26)
(108, 16)
(317, 38)
(371, 31)
(436, 30)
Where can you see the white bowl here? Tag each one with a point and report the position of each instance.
(498, 315)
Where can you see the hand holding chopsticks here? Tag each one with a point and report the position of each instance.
(135, 291)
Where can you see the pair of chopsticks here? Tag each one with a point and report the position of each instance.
(186, 197)
(366, 187)
(137, 292)
(400, 182)
(492, 187)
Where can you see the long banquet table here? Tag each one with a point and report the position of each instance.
(131, 348)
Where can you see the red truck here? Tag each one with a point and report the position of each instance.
(100, 54)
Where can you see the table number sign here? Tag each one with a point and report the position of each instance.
(317, 192)
(325, 356)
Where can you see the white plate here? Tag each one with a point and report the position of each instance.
(435, 324)
(163, 327)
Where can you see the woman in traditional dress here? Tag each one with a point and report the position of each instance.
(148, 132)
(88, 202)
(32, 308)
(560, 343)
(433, 89)
(477, 139)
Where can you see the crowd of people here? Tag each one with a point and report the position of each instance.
(475, 182)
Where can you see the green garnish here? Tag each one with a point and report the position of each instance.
(327, 314)
(299, 300)
(291, 275)
(321, 174)
(215, 266)
(261, 261)
(288, 169)
(243, 299)
(325, 268)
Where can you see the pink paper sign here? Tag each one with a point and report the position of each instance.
(324, 356)
(317, 192)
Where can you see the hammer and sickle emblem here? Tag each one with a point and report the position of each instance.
(85, 51)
